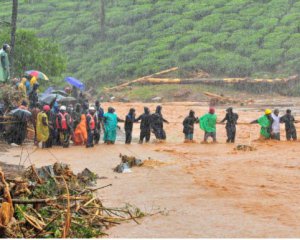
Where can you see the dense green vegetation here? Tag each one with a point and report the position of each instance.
(35, 53)
(224, 37)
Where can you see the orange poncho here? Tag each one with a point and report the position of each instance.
(80, 134)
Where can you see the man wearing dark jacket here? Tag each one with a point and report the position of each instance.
(157, 124)
(290, 129)
(76, 115)
(145, 126)
(130, 119)
(188, 126)
(231, 121)
(33, 96)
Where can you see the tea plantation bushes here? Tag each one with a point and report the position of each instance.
(224, 37)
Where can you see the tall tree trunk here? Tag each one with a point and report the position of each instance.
(102, 18)
(14, 17)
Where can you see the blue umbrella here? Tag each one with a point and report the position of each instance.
(75, 82)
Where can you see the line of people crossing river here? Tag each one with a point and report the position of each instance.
(87, 124)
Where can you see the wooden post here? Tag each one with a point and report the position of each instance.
(14, 17)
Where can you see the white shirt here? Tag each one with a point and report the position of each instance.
(276, 123)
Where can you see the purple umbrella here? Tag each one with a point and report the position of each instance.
(75, 82)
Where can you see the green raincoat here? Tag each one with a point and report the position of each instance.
(110, 126)
(4, 66)
(208, 123)
(264, 122)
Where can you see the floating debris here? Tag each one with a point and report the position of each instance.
(245, 148)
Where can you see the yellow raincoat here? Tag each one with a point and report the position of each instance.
(42, 131)
(22, 87)
(33, 81)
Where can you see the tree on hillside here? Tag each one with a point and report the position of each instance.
(102, 18)
(43, 54)
(14, 17)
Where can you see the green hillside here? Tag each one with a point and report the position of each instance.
(226, 37)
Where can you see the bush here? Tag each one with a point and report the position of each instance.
(267, 59)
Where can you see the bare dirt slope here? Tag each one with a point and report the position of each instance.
(203, 190)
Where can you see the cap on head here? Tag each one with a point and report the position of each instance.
(63, 108)
(268, 111)
(46, 108)
(211, 110)
(92, 108)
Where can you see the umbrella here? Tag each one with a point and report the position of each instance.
(21, 114)
(66, 100)
(48, 91)
(75, 82)
(47, 99)
(37, 74)
(60, 92)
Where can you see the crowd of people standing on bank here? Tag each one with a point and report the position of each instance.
(84, 125)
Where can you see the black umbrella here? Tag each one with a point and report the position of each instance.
(21, 114)
(60, 92)
(67, 100)
(47, 99)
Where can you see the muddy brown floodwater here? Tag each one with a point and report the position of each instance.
(202, 190)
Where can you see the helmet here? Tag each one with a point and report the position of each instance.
(46, 108)
(268, 111)
(63, 108)
(92, 108)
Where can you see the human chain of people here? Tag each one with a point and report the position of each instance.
(83, 125)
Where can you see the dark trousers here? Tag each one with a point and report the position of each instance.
(128, 136)
(49, 142)
(90, 138)
(160, 133)
(211, 134)
(230, 134)
(291, 134)
(145, 134)
(97, 136)
(188, 136)
(57, 140)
